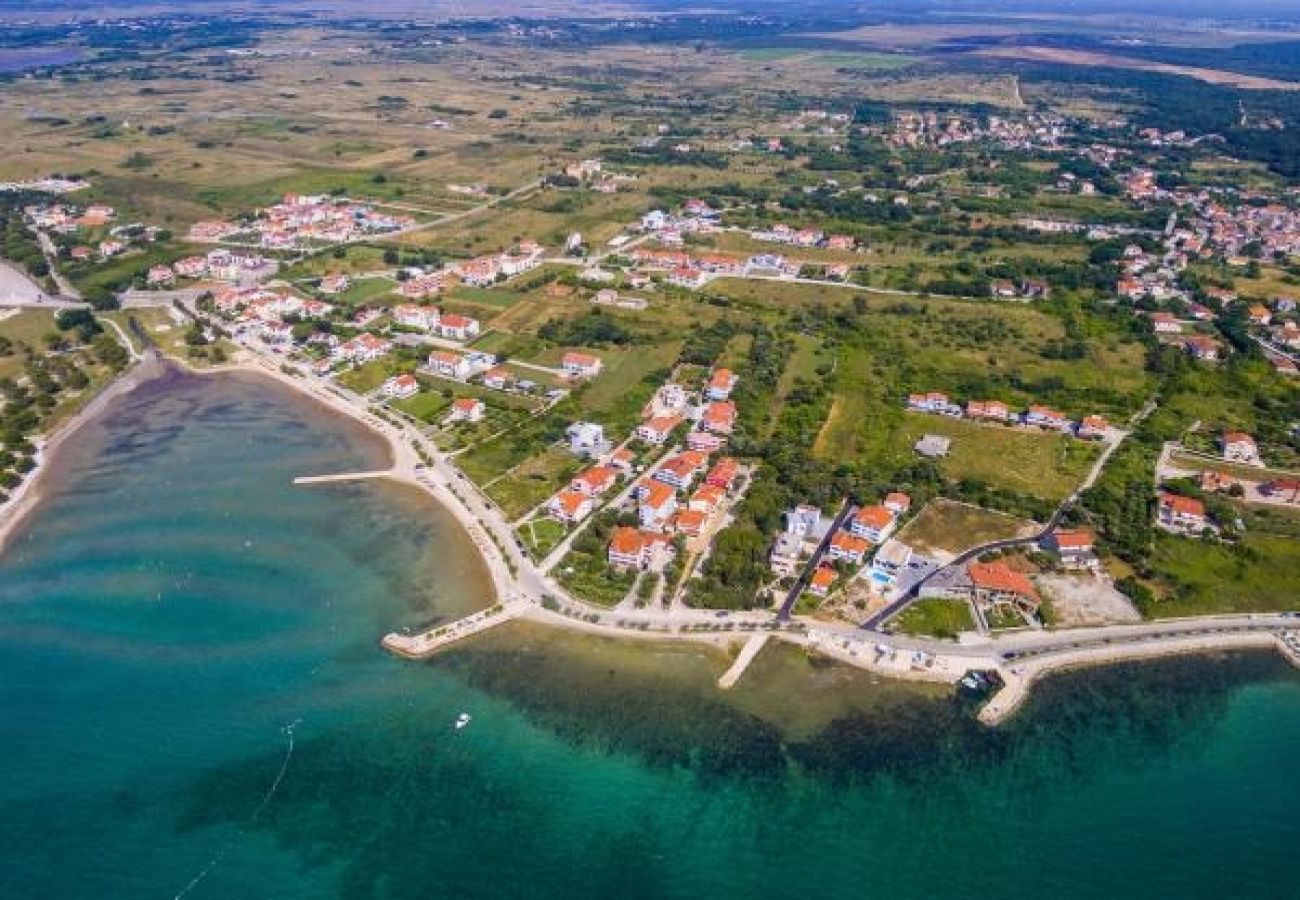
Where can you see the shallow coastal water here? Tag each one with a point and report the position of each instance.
(192, 702)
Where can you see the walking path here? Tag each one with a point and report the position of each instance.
(525, 590)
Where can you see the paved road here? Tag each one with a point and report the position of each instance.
(1113, 441)
(787, 606)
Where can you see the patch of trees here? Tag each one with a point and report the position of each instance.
(592, 329)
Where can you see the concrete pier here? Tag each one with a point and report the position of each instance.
(427, 643)
(342, 476)
(747, 653)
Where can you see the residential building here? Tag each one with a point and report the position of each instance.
(1165, 323)
(992, 410)
(450, 364)
(581, 365)
(723, 474)
(690, 522)
(425, 318)
(656, 430)
(680, 470)
(997, 584)
(457, 327)
(399, 387)
(897, 502)
(707, 498)
(1074, 547)
(873, 523)
(721, 383)
(719, 417)
(1201, 347)
(1092, 427)
(933, 446)
(705, 442)
(823, 579)
(1046, 417)
(570, 506)
(587, 439)
(658, 505)
(846, 547)
(595, 481)
(1186, 513)
(1239, 447)
(785, 556)
(467, 409)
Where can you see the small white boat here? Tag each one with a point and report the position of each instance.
(462, 720)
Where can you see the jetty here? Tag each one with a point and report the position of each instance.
(342, 476)
(426, 643)
(747, 654)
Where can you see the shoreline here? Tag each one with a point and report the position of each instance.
(401, 464)
(27, 497)
(889, 656)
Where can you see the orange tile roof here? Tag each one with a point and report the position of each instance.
(1074, 539)
(658, 495)
(690, 521)
(876, 517)
(823, 578)
(571, 501)
(998, 576)
(1184, 506)
(847, 543)
(626, 541)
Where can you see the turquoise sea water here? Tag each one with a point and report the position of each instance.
(193, 703)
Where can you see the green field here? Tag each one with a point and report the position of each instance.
(952, 527)
(533, 481)
(936, 617)
(1260, 574)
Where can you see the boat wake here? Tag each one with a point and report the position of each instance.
(266, 798)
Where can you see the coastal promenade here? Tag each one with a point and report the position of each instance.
(525, 590)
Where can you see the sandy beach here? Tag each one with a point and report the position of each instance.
(26, 497)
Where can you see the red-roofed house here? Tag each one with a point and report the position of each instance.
(1239, 447)
(992, 410)
(997, 583)
(1073, 546)
(721, 383)
(1046, 417)
(400, 387)
(705, 441)
(680, 470)
(690, 522)
(897, 502)
(450, 365)
(873, 523)
(657, 429)
(719, 417)
(723, 474)
(1182, 512)
(821, 582)
(467, 409)
(570, 506)
(848, 548)
(595, 481)
(457, 327)
(1093, 427)
(706, 498)
(657, 506)
(581, 365)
